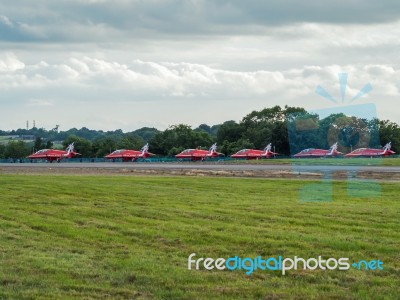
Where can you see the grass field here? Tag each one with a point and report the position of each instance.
(4, 140)
(377, 161)
(65, 237)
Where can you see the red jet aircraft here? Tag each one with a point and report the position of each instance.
(197, 154)
(130, 155)
(318, 152)
(54, 155)
(255, 154)
(370, 152)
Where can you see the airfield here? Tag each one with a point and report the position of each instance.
(124, 230)
(299, 169)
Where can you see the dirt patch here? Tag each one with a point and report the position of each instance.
(284, 174)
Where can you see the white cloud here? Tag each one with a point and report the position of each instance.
(93, 91)
(6, 21)
(39, 102)
(10, 63)
(163, 62)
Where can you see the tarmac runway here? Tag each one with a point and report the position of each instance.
(206, 166)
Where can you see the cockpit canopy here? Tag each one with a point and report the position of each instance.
(188, 150)
(42, 151)
(118, 151)
(243, 151)
(307, 150)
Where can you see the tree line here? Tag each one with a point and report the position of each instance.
(289, 129)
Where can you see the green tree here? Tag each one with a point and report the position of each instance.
(233, 147)
(146, 133)
(103, 146)
(130, 141)
(2, 151)
(229, 131)
(82, 146)
(49, 145)
(179, 136)
(38, 145)
(390, 132)
(16, 149)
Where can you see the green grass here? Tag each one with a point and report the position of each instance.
(5, 140)
(378, 161)
(65, 237)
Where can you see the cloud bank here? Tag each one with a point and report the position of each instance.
(167, 93)
(126, 64)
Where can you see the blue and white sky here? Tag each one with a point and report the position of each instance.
(133, 63)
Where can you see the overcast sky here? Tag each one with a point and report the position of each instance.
(130, 63)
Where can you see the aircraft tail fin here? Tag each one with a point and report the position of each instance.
(213, 148)
(212, 152)
(70, 151)
(268, 148)
(333, 149)
(387, 148)
(70, 148)
(145, 148)
(145, 151)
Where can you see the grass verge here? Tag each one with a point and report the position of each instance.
(68, 237)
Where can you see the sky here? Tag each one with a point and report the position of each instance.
(126, 64)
